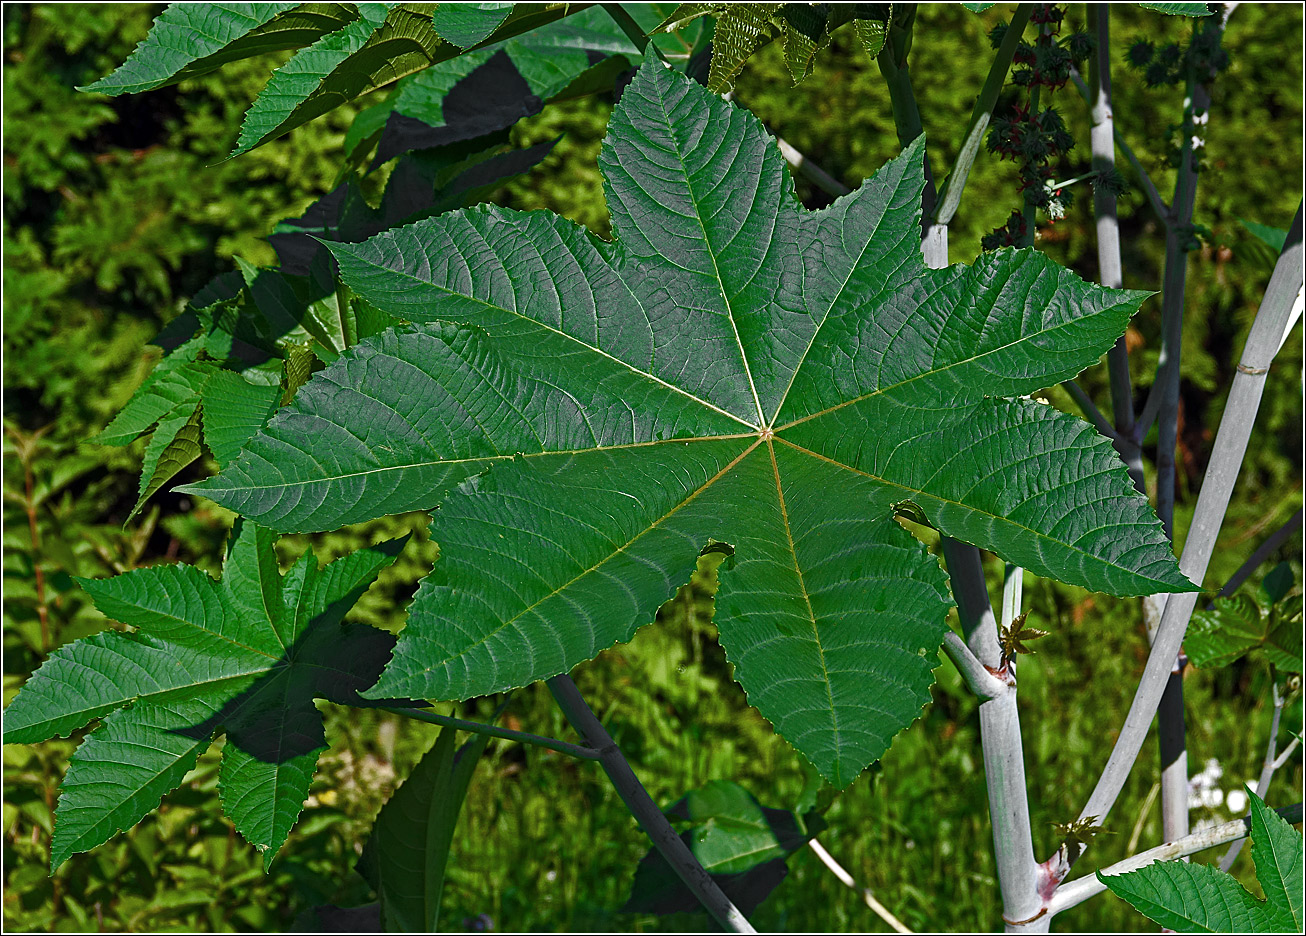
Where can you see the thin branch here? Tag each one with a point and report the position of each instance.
(880, 909)
(448, 721)
(631, 28)
(1287, 753)
(1217, 488)
(1159, 207)
(1073, 893)
(950, 193)
(977, 677)
(811, 171)
(645, 811)
(1090, 410)
(1263, 552)
(1268, 766)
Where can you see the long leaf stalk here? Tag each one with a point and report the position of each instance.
(1171, 734)
(646, 812)
(494, 731)
(1217, 488)
(868, 895)
(1263, 552)
(981, 115)
(1073, 893)
(1268, 768)
(1107, 222)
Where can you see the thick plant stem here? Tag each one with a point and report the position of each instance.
(645, 811)
(1159, 208)
(975, 674)
(1075, 892)
(1020, 877)
(1221, 474)
(1110, 266)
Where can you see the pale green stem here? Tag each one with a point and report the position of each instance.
(507, 734)
(950, 194)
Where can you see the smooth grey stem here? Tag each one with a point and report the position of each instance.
(1073, 893)
(1263, 552)
(448, 721)
(1171, 729)
(1159, 207)
(950, 194)
(811, 171)
(645, 811)
(1267, 773)
(1287, 752)
(1217, 487)
(1110, 267)
(977, 677)
(1090, 410)
(1019, 875)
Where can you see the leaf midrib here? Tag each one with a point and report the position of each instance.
(526, 318)
(607, 558)
(1035, 534)
(463, 461)
(878, 391)
(807, 600)
(711, 252)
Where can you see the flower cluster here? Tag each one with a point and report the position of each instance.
(1032, 136)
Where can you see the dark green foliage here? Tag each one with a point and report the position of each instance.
(173, 223)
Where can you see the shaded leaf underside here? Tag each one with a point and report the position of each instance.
(731, 369)
(246, 655)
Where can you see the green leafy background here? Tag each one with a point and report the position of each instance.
(117, 212)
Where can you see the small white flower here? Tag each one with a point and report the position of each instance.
(1236, 801)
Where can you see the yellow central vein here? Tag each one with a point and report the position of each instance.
(1036, 534)
(484, 458)
(558, 331)
(616, 552)
(935, 371)
(802, 585)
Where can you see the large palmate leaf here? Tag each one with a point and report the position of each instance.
(246, 655)
(386, 43)
(733, 373)
(804, 29)
(1192, 898)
